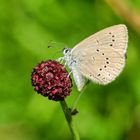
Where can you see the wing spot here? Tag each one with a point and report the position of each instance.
(107, 62)
(125, 56)
(103, 54)
(105, 66)
(97, 50)
(113, 40)
(93, 58)
(100, 69)
(110, 33)
(107, 58)
(111, 44)
(113, 36)
(99, 74)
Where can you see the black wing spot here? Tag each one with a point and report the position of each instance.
(103, 54)
(105, 66)
(111, 44)
(107, 62)
(110, 33)
(113, 40)
(113, 36)
(125, 56)
(107, 58)
(99, 74)
(97, 50)
(100, 69)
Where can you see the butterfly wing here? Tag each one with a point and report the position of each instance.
(101, 57)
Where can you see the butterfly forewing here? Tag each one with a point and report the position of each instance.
(101, 57)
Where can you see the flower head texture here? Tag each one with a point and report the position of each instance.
(51, 79)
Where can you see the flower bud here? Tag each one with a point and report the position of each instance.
(51, 79)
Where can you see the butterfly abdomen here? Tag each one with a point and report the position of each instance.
(78, 78)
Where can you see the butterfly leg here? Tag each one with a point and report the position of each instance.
(60, 59)
(70, 73)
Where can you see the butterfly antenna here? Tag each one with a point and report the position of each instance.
(59, 44)
(53, 44)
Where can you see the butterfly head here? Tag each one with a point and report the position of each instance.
(66, 51)
(67, 56)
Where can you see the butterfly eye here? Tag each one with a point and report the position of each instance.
(66, 51)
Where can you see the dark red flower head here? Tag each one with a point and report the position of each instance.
(51, 79)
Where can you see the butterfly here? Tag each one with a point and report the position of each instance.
(99, 58)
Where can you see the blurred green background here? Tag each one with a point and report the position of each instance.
(109, 112)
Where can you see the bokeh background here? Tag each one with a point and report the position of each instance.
(109, 112)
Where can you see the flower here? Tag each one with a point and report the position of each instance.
(51, 79)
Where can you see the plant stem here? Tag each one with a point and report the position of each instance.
(69, 120)
(76, 101)
(79, 96)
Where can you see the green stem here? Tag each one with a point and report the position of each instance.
(76, 101)
(69, 120)
(79, 96)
